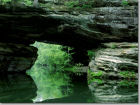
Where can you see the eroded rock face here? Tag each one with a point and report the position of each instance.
(112, 91)
(113, 74)
(115, 58)
(102, 23)
(107, 21)
(16, 57)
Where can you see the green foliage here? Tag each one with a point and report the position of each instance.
(52, 56)
(89, 71)
(73, 68)
(98, 81)
(124, 2)
(96, 74)
(126, 83)
(5, 0)
(47, 72)
(91, 53)
(2, 2)
(71, 4)
(49, 86)
(128, 74)
(90, 100)
(94, 77)
(83, 4)
(26, 2)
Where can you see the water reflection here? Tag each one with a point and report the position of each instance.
(16, 88)
(50, 85)
(47, 72)
(20, 88)
(54, 85)
(113, 91)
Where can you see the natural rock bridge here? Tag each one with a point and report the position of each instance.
(82, 31)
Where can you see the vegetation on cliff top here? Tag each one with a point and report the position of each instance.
(59, 4)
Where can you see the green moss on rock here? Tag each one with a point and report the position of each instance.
(128, 74)
(126, 83)
(98, 81)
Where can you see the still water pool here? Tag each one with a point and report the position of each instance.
(21, 88)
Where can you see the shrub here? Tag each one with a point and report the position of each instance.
(124, 2)
(14, 2)
(87, 6)
(98, 81)
(128, 74)
(126, 83)
(71, 4)
(96, 74)
(83, 4)
(53, 56)
(91, 54)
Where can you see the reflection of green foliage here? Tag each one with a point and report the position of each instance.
(128, 74)
(90, 100)
(49, 86)
(78, 65)
(78, 73)
(126, 83)
(46, 72)
(74, 68)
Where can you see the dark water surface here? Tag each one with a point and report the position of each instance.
(21, 88)
(16, 88)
